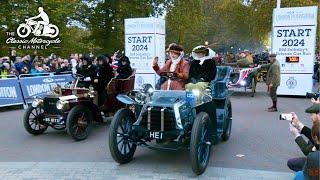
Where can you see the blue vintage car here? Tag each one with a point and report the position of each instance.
(172, 120)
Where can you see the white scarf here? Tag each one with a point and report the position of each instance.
(175, 62)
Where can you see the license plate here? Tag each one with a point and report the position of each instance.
(53, 120)
(155, 135)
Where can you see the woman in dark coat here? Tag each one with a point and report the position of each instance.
(202, 69)
(124, 70)
(104, 75)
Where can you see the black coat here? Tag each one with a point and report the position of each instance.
(105, 74)
(124, 71)
(87, 71)
(202, 73)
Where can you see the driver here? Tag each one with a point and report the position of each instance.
(44, 17)
(177, 65)
(202, 69)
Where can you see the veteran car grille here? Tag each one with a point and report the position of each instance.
(49, 106)
(158, 119)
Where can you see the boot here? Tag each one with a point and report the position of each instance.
(274, 107)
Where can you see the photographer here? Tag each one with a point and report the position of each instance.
(311, 168)
(297, 128)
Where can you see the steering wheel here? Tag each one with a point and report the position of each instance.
(170, 75)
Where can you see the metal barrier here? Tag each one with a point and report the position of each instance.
(22, 89)
(10, 91)
(39, 86)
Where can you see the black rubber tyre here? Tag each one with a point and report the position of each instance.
(79, 122)
(228, 123)
(34, 116)
(120, 146)
(253, 87)
(200, 143)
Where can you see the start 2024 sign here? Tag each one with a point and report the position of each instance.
(293, 40)
(144, 39)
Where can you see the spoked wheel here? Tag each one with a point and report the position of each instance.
(120, 145)
(228, 122)
(33, 120)
(79, 122)
(200, 143)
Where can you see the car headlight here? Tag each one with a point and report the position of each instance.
(36, 102)
(196, 92)
(147, 88)
(242, 83)
(61, 105)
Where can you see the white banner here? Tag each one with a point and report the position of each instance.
(294, 40)
(144, 39)
(295, 84)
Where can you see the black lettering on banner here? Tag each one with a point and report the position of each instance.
(293, 42)
(139, 47)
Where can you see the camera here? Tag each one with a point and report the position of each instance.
(286, 116)
(313, 95)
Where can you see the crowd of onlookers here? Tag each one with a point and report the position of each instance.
(36, 64)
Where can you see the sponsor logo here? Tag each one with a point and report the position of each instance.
(47, 80)
(291, 83)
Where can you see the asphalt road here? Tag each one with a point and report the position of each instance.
(265, 142)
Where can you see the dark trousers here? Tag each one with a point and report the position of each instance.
(273, 93)
(296, 164)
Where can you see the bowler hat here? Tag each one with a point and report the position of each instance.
(175, 48)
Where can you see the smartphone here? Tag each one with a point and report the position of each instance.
(286, 116)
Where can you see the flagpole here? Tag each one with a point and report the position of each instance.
(278, 4)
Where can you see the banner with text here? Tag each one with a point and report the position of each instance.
(294, 40)
(145, 39)
(10, 92)
(40, 85)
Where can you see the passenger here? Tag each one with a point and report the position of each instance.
(87, 70)
(202, 69)
(124, 69)
(246, 60)
(175, 64)
(104, 75)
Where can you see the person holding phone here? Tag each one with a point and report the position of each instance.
(297, 129)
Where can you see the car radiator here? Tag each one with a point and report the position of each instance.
(158, 119)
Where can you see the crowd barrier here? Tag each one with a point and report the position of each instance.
(22, 89)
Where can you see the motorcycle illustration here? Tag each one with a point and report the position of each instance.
(25, 29)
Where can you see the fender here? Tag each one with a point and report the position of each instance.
(126, 99)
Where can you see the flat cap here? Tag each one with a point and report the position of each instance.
(315, 108)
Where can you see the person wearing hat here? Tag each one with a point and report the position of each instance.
(272, 80)
(175, 64)
(311, 168)
(104, 75)
(202, 69)
(297, 129)
(87, 70)
(124, 69)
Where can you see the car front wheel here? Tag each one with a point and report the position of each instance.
(33, 120)
(200, 143)
(121, 147)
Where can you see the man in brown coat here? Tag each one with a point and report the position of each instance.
(273, 80)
